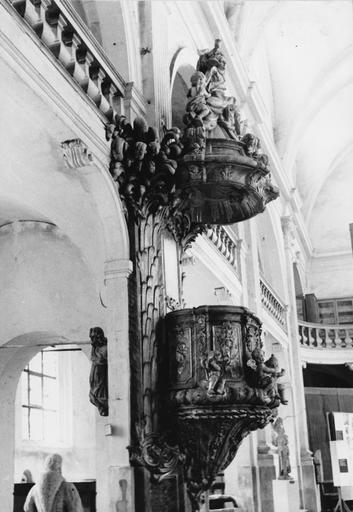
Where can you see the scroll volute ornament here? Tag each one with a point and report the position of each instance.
(220, 387)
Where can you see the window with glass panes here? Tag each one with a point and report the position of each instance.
(40, 401)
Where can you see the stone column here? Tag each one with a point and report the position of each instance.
(306, 473)
(243, 477)
(115, 485)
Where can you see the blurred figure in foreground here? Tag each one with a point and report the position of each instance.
(52, 493)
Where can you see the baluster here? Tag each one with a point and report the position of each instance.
(67, 53)
(75, 68)
(275, 307)
(49, 14)
(93, 87)
(109, 90)
(85, 60)
(306, 335)
(332, 336)
(323, 336)
(314, 336)
(310, 337)
(232, 252)
(342, 333)
(32, 15)
(350, 337)
(301, 338)
(98, 78)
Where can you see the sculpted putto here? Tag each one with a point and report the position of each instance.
(266, 375)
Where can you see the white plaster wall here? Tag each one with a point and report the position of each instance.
(331, 276)
(48, 286)
(199, 286)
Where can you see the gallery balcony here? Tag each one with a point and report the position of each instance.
(272, 304)
(59, 29)
(326, 344)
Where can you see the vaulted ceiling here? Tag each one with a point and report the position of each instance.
(300, 53)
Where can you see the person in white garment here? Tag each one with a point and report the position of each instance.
(52, 493)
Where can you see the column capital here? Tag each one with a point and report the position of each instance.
(117, 269)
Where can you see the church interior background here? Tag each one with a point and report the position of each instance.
(178, 174)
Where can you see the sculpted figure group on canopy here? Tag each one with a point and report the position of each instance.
(207, 99)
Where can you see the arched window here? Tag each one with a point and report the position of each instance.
(40, 398)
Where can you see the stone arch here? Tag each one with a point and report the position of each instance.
(15, 355)
(98, 182)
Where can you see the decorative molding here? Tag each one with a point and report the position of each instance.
(117, 268)
(76, 154)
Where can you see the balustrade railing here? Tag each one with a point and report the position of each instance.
(227, 245)
(273, 304)
(73, 46)
(325, 336)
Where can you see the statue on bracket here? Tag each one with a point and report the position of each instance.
(98, 378)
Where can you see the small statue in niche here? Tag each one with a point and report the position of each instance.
(280, 440)
(215, 367)
(98, 378)
(180, 356)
